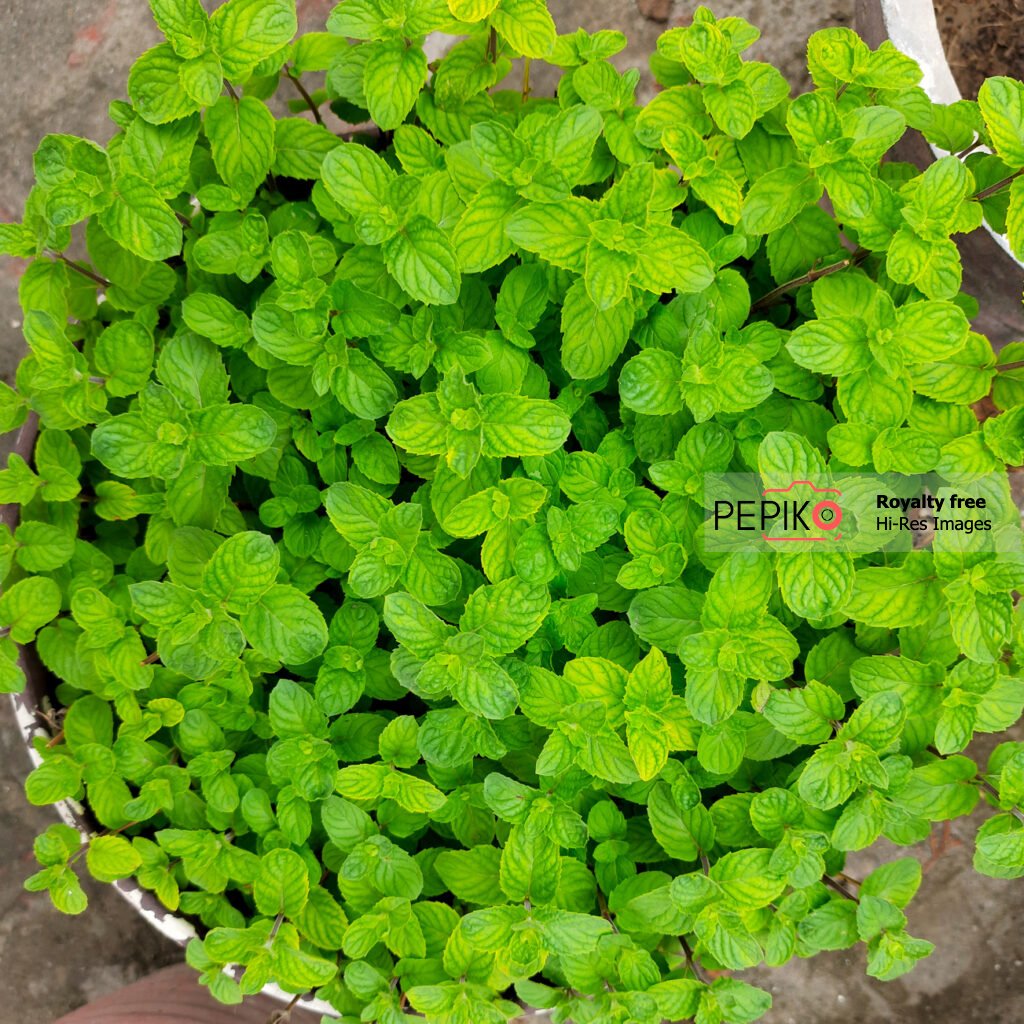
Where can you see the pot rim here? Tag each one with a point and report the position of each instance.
(71, 812)
(913, 28)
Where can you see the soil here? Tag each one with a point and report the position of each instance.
(982, 38)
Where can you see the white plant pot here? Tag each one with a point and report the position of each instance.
(914, 29)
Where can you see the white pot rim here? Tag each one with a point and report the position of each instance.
(913, 28)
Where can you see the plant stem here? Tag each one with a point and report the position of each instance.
(969, 150)
(297, 82)
(1019, 365)
(770, 298)
(992, 791)
(997, 186)
(80, 852)
(78, 268)
(231, 90)
(602, 905)
(285, 1015)
(526, 79)
(839, 888)
(691, 962)
(492, 46)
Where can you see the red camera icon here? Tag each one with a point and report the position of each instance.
(825, 513)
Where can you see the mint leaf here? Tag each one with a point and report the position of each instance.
(285, 625)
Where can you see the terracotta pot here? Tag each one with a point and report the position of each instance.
(991, 273)
(27, 708)
(173, 996)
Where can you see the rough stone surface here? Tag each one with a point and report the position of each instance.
(60, 63)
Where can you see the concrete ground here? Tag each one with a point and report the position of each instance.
(60, 62)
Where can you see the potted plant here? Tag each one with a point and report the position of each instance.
(992, 261)
(380, 563)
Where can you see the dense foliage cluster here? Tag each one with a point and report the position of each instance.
(363, 532)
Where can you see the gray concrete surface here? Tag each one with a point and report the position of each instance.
(60, 62)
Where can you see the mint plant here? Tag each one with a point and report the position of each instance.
(364, 534)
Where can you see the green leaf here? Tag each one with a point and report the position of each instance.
(805, 714)
(357, 179)
(829, 777)
(28, 605)
(481, 237)
(650, 383)
(999, 850)
(1015, 218)
(423, 262)
(293, 712)
(526, 25)
(414, 625)
(223, 435)
(66, 892)
(184, 23)
(124, 354)
(1002, 105)
(777, 197)
(896, 881)
(834, 345)
(521, 427)
(933, 266)
(285, 625)
(471, 10)
(893, 597)
(161, 153)
(682, 832)
(471, 875)
(241, 134)
(506, 615)
(202, 78)
(300, 148)
(244, 32)
(393, 75)
(213, 317)
(155, 88)
(732, 106)
(111, 857)
(41, 547)
(815, 583)
(592, 338)
(831, 926)
(141, 221)
(281, 885)
(558, 232)
(57, 778)
(530, 867)
(980, 623)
